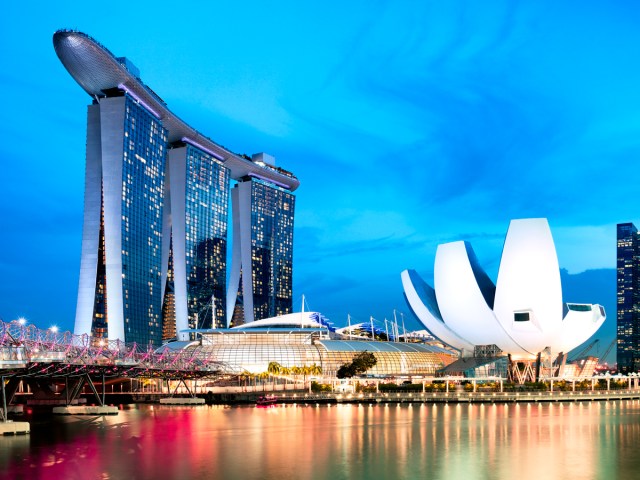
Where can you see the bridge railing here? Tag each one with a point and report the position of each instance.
(33, 345)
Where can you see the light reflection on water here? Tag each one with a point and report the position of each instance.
(440, 441)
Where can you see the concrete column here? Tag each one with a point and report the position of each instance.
(4, 402)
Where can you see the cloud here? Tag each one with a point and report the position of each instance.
(409, 125)
(363, 248)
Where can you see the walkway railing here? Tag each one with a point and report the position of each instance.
(25, 345)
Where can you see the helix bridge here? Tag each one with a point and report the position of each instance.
(43, 358)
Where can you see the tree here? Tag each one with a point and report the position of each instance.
(274, 368)
(362, 362)
(345, 371)
(295, 371)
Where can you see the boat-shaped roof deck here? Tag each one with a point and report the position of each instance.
(98, 71)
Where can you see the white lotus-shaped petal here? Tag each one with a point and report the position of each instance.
(465, 291)
(522, 315)
(529, 283)
(422, 300)
(580, 322)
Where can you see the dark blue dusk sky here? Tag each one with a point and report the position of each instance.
(408, 124)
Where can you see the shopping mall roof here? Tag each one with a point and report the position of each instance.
(361, 346)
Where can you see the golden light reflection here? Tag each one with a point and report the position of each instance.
(440, 441)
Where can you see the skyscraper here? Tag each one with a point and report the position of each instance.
(123, 222)
(196, 222)
(154, 242)
(628, 281)
(260, 284)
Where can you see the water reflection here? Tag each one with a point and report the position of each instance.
(573, 440)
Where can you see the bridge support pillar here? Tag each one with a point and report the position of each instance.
(4, 402)
(93, 389)
(103, 390)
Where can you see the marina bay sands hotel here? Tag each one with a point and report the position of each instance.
(154, 242)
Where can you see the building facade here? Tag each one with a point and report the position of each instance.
(297, 340)
(154, 248)
(260, 284)
(197, 196)
(522, 314)
(628, 320)
(120, 273)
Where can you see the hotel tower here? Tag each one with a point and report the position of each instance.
(154, 242)
(263, 246)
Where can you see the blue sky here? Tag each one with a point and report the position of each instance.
(408, 124)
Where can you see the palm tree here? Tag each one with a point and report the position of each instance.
(274, 368)
(310, 370)
(285, 371)
(296, 371)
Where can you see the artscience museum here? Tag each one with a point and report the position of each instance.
(522, 315)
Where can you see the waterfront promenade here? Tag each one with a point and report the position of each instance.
(461, 397)
(243, 395)
(45, 368)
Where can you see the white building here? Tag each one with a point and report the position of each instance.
(523, 314)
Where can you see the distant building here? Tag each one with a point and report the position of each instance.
(628, 276)
(154, 244)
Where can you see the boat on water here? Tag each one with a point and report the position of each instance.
(266, 400)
